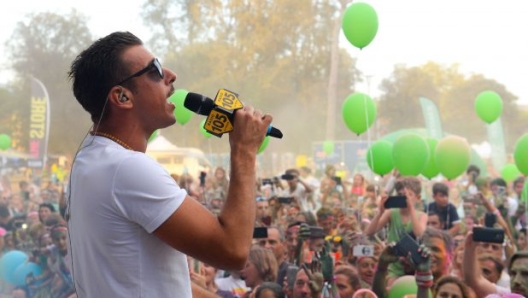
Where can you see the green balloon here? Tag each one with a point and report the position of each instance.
(452, 156)
(182, 114)
(488, 106)
(154, 135)
(379, 157)
(410, 154)
(404, 285)
(359, 112)
(510, 172)
(520, 154)
(431, 169)
(5, 142)
(328, 147)
(360, 24)
(202, 129)
(264, 144)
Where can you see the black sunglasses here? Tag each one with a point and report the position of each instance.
(153, 64)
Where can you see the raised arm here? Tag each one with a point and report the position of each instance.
(193, 230)
(471, 271)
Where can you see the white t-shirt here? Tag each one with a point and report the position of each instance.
(299, 194)
(118, 198)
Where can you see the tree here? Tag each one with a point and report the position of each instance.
(275, 54)
(44, 47)
(452, 92)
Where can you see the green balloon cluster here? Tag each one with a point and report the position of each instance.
(510, 172)
(520, 154)
(379, 157)
(359, 112)
(182, 114)
(203, 131)
(410, 154)
(452, 156)
(360, 24)
(328, 147)
(264, 145)
(431, 169)
(5, 142)
(488, 106)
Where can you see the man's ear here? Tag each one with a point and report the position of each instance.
(119, 95)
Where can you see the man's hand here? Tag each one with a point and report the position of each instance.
(425, 265)
(388, 255)
(316, 279)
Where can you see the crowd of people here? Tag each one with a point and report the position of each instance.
(322, 236)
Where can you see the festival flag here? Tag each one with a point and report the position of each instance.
(432, 118)
(496, 141)
(39, 124)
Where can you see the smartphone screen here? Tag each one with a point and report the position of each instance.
(396, 202)
(260, 232)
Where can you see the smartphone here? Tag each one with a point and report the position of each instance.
(489, 235)
(260, 232)
(285, 200)
(202, 178)
(291, 274)
(363, 251)
(489, 220)
(337, 180)
(407, 244)
(396, 202)
(316, 232)
(196, 266)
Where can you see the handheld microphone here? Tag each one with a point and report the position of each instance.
(220, 112)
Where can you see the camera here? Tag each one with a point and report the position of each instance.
(269, 181)
(337, 180)
(288, 177)
(285, 200)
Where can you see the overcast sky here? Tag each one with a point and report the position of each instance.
(487, 37)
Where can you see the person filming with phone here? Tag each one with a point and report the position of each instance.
(401, 217)
(296, 188)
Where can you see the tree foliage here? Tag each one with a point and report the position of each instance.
(452, 92)
(275, 54)
(44, 47)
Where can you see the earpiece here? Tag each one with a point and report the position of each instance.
(122, 97)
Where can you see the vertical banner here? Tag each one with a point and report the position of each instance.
(432, 118)
(38, 125)
(498, 148)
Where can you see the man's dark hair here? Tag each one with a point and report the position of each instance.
(518, 255)
(499, 182)
(47, 205)
(440, 188)
(323, 213)
(98, 68)
(277, 290)
(432, 213)
(473, 168)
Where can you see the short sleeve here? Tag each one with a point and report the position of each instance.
(145, 193)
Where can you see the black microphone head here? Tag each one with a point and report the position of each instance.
(198, 103)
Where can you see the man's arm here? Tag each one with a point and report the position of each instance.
(199, 292)
(471, 271)
(454, 229)
(223, 241)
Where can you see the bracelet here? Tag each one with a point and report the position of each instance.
(424, 279)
